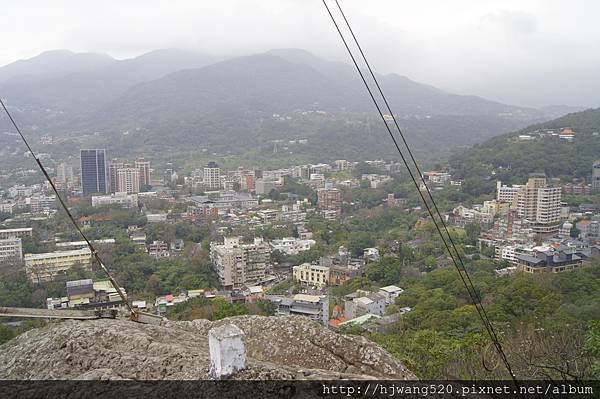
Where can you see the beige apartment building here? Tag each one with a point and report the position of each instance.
(539, 203)
(47, 266)
(311, 275)
(240, 264)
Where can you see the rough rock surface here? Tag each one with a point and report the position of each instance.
(277, 348)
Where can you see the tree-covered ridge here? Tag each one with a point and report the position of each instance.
(511, 159)
(546, 324)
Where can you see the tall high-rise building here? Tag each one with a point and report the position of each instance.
(113, 183)
(144, 168)
(64, 175)
(93, 171)
(596, 176)
(128, 180)
(212, 176)
(539, 204)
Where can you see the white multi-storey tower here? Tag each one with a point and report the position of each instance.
(212, 176)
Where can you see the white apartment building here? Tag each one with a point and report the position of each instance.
(277, 174)
(437, 177)
(506, 193)
(20, 191)
(46, 266)
(212, 176)
(240, 264)
(291, 245)
(16, 233)
(7, 207)
(509, 252)
(42, 203)
(123, 199)
(11, 249)
(506, 252)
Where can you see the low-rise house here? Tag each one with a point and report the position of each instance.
(156, 217)
(87, 294)
(462, 216)
(140, 305)
(195, 293)
(340, 274)
(390, 292)
(314, 307)
(363, 302)
(437, 178)
(158, 249)
(292, 245)
(588, 228)
(177, 245)
(139, 238)
(376, 180)
(360, 320)
(371, 254)
(550, 261)
(254, 293)
(166, 301)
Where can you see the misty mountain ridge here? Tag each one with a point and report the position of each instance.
(80, 87)
(191, 98)
(96, 79)
(53, 63)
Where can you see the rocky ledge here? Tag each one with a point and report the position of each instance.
(276, 348)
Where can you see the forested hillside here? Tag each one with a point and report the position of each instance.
(510, 158)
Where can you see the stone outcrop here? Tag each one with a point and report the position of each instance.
(277, 348)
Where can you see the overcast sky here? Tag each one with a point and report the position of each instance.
(502, 50)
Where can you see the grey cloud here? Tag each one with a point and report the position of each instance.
(512, 21)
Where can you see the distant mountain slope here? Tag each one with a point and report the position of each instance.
(512, 159)
(405, 95)
(76, 90)
(233, 100)
(52, 64)
(260, 84)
